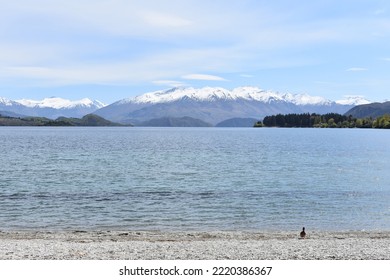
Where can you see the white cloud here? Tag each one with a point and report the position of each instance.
(356, 69)
(145, 18)
(159, 20)
(170, 83)
(103, 74)
(203, 77)
(12, 54)
(160, 68)
(156, 42)
(380, 12)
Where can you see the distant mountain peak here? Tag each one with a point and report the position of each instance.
(60, 103)
(353, 100)
(6, 101)
(51, 107)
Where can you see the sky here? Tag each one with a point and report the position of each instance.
(110, 50)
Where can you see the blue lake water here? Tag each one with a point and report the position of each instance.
(194, 179)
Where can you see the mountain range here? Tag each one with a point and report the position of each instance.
(214, 105)
(52, 107)
(211, 105)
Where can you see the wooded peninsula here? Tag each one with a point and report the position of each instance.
(331, 120)
(87, 120)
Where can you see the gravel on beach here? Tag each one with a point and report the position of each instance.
(156, 245)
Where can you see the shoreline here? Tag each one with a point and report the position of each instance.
(193, 245)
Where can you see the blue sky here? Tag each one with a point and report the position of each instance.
(109, 50)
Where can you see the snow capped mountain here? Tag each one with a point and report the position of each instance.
(171, 95)
(305, 99)
(353, 100)
(215, 104)
(212, 94)
(7, 102)
(60, 103)
(52, 107)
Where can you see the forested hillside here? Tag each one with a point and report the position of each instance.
(331, 120)
(87, 120)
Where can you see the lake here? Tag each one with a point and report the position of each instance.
(127, 178)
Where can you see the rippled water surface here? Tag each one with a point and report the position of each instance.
(194, 178)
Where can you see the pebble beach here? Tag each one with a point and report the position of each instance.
(155, 245)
